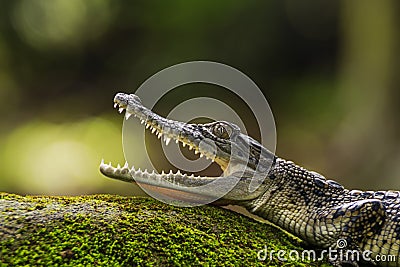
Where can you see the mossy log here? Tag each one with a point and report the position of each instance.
(132, 231)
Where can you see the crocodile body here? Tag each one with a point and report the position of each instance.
(319, 211)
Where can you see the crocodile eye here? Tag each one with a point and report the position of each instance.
(221, 131)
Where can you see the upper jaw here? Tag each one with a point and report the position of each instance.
(188, 134)
(196, 136)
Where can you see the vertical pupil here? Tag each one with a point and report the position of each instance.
(220, 131)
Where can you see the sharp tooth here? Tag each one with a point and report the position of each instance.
(190, 147)
(183, 144)
(127, 115)
(102, 162)
(145, 170)
(120, 110)
(109, 163)
(176, 141)
(147, 125)
(118, 166)
(141, 121)
(115, 105)
(201, 155)
(153, 130)
(159, 135)
(167, 140)
(212, 160)
(170, 172)
(162, 172)
(196, 152)
(126, 164)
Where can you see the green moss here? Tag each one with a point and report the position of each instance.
(118, 231)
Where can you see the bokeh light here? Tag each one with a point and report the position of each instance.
(61, 23)
(46, 158)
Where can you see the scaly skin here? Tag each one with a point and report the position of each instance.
(303, 202)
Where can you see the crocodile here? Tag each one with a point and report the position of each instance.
(358, 225)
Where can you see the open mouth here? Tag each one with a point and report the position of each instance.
(211, 140)
(166, 130)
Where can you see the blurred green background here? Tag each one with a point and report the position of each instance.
(329, 69)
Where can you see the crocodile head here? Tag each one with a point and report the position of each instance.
(241, 158)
